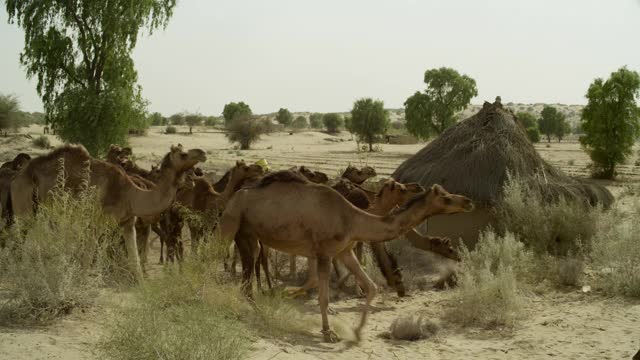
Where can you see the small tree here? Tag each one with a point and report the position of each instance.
(157, 119)
(177, 119)
(549, 121)
(369, 119)
(332, 122)
(193, 120)
(348, 124)
(231, 110)
(299, 123)
(245, 130)
(210, 121)
(9, 109)
(563, 128)
(284, 117)
(533, 134)
(315, 120)
(611, 120)
(432, 111)
(528, 121)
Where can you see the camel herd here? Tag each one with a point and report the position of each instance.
(296, 211)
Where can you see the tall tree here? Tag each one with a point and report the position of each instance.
(299, 123)
(550, 121)
(529, 122)
(157, 119)
(193, 120)
(231, 110)
(9, 113)
(80, 53)
(432, 111)
(369, 119)
(245, 130)
(177, 119)
(611, 120)
(284, 117)
(315, 120)
(332, 122)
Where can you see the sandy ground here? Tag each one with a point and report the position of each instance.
(562, 325)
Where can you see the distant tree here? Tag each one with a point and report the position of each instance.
(9, 113)
(550, 121)
(611, 120)
(332, 122)
(299, 123)
(193, 120)
(231, 110)
(157, 119)
(177, 119)
(315, 120)
(529, 122)
(284, 117)
(80, 54)
(533, 134)
(369, 119)
(432, 111)
(563, 128)
(348, 125)
(210, 121)
(245, 130)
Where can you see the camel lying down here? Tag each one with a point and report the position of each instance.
(288, 213)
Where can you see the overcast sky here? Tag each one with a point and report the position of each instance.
(322, 55)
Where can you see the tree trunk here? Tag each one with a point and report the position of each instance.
(370, 146)
(190, 130)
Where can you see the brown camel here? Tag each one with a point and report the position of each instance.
(8, 171)
(290, 214)
(358, 176)
(121, 198)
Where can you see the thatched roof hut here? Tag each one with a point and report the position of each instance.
(475, 157)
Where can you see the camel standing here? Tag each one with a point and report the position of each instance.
(121, 198)
(292, 215)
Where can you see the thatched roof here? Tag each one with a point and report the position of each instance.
(475, 156)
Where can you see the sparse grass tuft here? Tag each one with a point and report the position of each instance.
(41, 142)
(170, 130)
(55, 261)
(412, 327)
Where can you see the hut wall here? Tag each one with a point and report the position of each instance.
(466, 226)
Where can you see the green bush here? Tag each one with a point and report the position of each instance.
(170, 130)
(57, 260)
(41, 142)
(244, 130)
(533, 134)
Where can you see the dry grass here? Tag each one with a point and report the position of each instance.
(412, 327)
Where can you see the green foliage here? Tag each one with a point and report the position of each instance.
(299, 123)
(231, 110)
(315, 120)
(432, 111)
(80, 53)
(245, 130)
(284, 117)
(157, 119)
(332, 122)
(533, 134)
(193, 120)
(368, 120)
(170, 130)
(56, 261)
(611, 120)
(210, 121)
(527, 119)
(41, 142)
(177, 119)
(553, 122)
(9, 116)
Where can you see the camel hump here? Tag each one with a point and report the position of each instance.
(284, 176)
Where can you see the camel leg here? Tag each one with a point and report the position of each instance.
(129, 232)
(359, 250)
(230, 258)
(248, 248)
(264, 262)
(142, 239)
(351, 262)
(324, 267)
(388, 266)
(157, 228)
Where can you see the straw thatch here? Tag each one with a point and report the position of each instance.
(475, 157)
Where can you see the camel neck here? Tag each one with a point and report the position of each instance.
(380, 227)
(158, 198)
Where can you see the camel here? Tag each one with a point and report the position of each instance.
(17, 163)
(8, 171)
(358, 176)
(290, 214)
(121, 198)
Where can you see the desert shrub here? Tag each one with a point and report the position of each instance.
(55, 261)
(533, 134)
(170, 130)
(557, 228)
(616, 253)
(332, 122)
(41, 142)
(195, 312)
(488, 290)
(244, 130)
(412, 327)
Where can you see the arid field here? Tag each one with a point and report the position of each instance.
(562, 323)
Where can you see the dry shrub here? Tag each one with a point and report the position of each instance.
(41, 142)
(412, 327)
(616, 252)
(57, 260)
(488, 291)
(195, 312)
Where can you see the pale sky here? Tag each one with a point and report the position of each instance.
(322, 55)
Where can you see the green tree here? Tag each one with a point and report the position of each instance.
(369, 119)
(245, 130)
(157, 119)
(177, 119)
(348, 124)
(9, 113)
(193, 120)
(210, 121)
(611, 120)
(284, 117)
(315, 120)
(432, 111)
(550, 121)
(529, 122)
(563, 128)
(299, 123)
(332, 122)
(533, 134)
(80, 53)
(231, 110)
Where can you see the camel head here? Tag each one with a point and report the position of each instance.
(358, 176)
(118, 155)
(314, 176)
(394, 193)
(20, 161)
(443, 246)
(242, 171)
(436, 201)
(181, 160)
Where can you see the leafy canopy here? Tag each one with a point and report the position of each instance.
(332, 122)
(9, 113)
(369, 119)
(432, 111)
(284, 117)
(245, 130)
(315, 120)
(553, 122)
(231, 110)
(299, 123)
(80, 54)
(611, 120)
